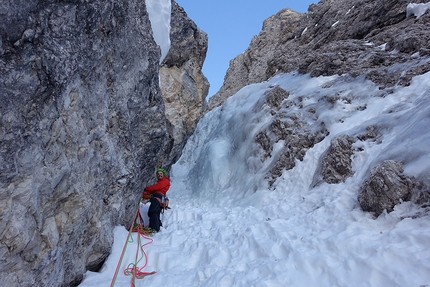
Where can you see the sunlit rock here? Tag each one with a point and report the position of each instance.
(334, 37)
(183, 85)
(254, 64)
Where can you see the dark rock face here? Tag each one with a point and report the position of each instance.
(385, 187)
(187, 40)
(336, 163)
(290, 126)
(82, 129)
(334, 37)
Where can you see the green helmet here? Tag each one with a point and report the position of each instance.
(162, 170)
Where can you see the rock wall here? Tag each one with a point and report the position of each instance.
(251, 66)
(333, 37)
(183, 85)
(374, 39)
(290, 125)
(385, 187)
(337, 163)
(82, 129)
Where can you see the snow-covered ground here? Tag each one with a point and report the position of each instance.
(227, 228)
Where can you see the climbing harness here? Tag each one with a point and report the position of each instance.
(132, 268)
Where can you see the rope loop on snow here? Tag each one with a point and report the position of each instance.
(133, 269)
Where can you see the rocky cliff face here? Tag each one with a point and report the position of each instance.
(377, 40)
(334, 37)
(183, 85)
(82, 129)
(251, 66)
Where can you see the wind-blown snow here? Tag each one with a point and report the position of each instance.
(417, 9)
(159, 12)
(227, 228)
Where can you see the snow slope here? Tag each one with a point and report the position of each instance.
(227, 228)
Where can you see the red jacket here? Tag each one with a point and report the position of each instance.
(162, 186)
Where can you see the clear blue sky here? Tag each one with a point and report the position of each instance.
(230, 25)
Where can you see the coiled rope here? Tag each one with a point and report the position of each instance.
(133, 269)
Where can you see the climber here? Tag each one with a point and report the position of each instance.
(158, 196)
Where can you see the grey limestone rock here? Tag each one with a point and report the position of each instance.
(253, 65)
(335, 37)
(183, 85)
(293, 128)
(82, 129)
(336, 163)
(375, 40)
(385, 187)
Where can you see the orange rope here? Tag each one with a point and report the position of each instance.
(134, 270)
(123, 250)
